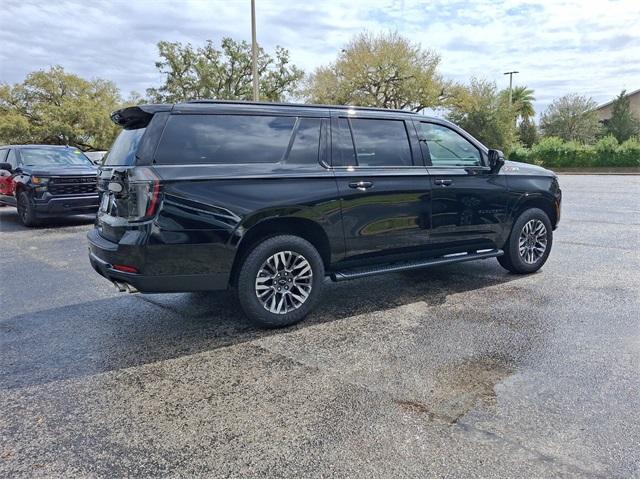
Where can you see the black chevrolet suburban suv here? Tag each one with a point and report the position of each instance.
(45, 181)
(273, 199)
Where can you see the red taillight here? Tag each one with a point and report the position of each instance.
(124, 268)
(144, 196)
(153, 200)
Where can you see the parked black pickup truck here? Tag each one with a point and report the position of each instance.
(273, 199)
(47, 181)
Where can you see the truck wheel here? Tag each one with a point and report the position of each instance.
(25, 210)
(529, 243)
(280, 281)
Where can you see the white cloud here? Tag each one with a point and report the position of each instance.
(586, 47)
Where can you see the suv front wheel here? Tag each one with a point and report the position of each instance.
(280, 281)
(529, 243)
(25, 210)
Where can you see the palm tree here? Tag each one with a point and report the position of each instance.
(522, 100)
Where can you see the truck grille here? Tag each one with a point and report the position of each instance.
(77, 185)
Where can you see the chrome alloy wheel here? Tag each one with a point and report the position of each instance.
(532, 243)
(284, 282)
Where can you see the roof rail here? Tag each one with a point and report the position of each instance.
(298, 105)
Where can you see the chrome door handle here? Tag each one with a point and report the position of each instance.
(360, 185)
(443, 182)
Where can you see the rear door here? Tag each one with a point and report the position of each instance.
(469, 200)
(383, 184)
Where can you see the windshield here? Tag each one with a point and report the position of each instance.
(124, 149)
(54, 156)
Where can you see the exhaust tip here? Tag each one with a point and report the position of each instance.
(125, 287)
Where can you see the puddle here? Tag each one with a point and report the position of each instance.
(460, 388)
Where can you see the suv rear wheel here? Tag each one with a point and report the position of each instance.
(25, 209)
(280, 281)
(529, 243)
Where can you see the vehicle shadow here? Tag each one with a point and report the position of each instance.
(9, 221)
(132, 330)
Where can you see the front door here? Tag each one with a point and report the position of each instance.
(383, 184)
(469, 200)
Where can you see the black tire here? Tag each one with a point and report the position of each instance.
(25, 210)
(512, 260)
(253, 263)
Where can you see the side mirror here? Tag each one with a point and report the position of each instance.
(496, 160)
(6, 166)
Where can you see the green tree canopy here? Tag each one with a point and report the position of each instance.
(527, 132)
(55, 107)
(386, 71)
(522, 100)
(622, 124)
(571, 117)
(485, 113)
(206, 72)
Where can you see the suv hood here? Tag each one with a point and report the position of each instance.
(517, 168)
(54, 170)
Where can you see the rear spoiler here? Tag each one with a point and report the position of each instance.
(134, 117)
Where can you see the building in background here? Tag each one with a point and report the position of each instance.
(605, 110)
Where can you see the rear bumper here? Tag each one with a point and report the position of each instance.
(67, 205)
(103, 254)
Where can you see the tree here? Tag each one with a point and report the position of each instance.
(527, 132)
(386, 71)
(571, 117)
(207, 72)
(522, 100)
(622, 124)
(485, 113)
(54, 107)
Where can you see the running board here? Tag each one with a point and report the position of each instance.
(409, 265)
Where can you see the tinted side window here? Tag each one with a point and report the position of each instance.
(224, 139)
(344, 152)
(381, 142)
(447, 147)
(306, 144)
(3, 155)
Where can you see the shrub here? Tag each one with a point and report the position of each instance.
(553, 152)
(549, 151)
(628, 153)
(606, 151)
(522, 154)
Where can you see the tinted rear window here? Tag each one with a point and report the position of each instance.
(124, 149)
(306, 145)
(381, 142)
(224, 139)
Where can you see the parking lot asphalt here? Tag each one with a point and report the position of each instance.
(457, 371)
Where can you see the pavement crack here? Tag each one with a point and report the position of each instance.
(492, 436)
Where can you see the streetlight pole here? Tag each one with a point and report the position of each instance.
(254, 51)
(510, 83)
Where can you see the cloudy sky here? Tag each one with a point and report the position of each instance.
(588, 47)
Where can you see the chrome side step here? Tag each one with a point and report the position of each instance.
(409, 265)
